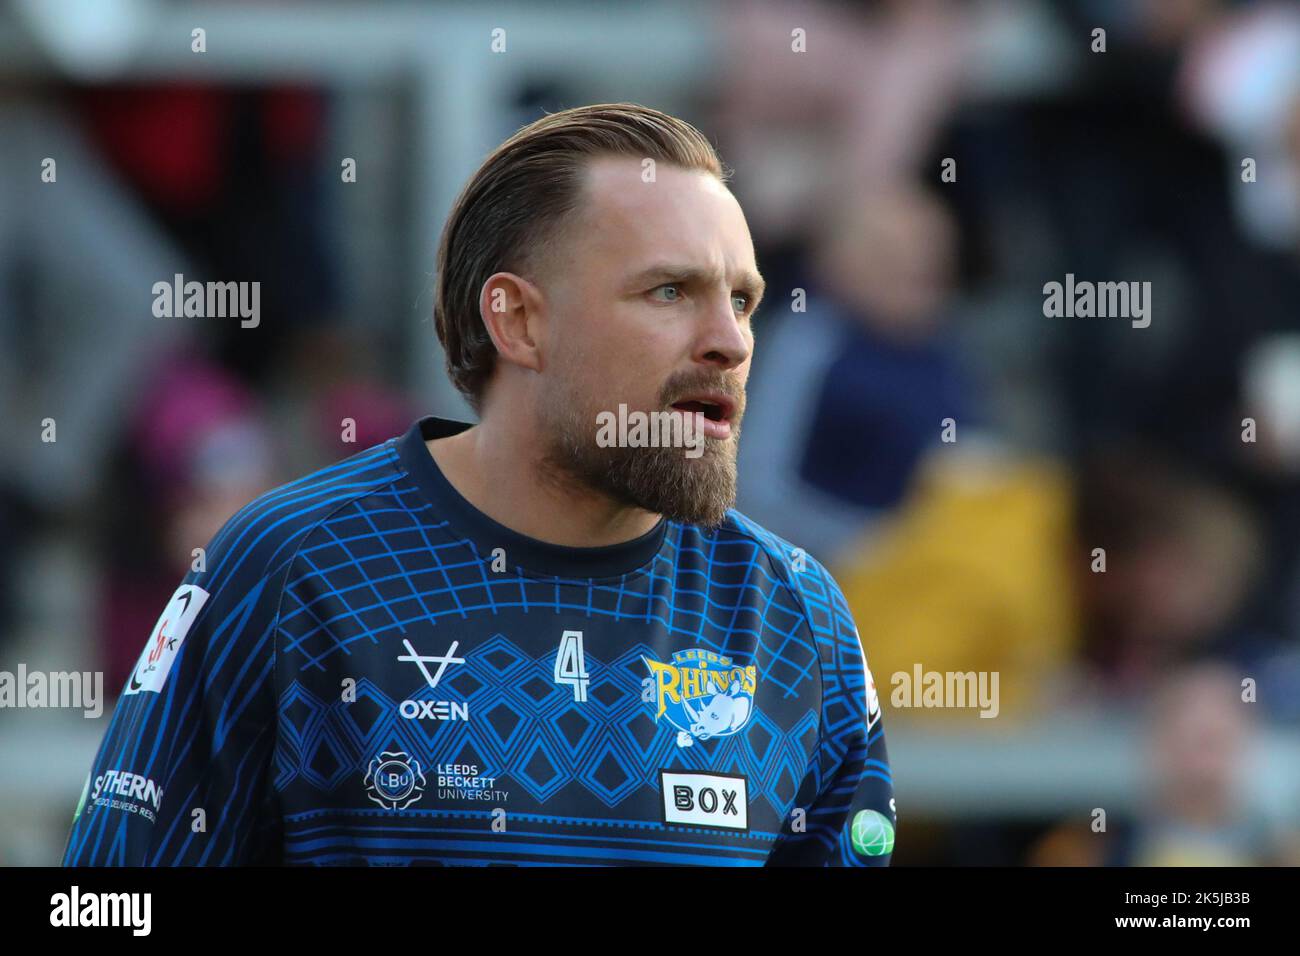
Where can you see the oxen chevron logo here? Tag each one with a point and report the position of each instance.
(421, 661)
(425, 709)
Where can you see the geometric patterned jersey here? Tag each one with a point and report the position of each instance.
(369, 670)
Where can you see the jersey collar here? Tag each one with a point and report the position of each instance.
(521, 552)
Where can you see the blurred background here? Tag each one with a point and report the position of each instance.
(913, 173)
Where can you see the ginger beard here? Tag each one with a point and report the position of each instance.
(659, 480)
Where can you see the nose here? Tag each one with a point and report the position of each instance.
(724, 341)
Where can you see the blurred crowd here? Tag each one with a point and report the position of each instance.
(1078, 504)
(1075, 503)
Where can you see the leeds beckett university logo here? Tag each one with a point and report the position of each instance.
(701, 694)
(394, 780)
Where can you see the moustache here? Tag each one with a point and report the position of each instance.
(683, 386)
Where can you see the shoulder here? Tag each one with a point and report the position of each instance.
(806, 578)
(265, 534)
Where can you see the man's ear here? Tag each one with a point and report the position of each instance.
(513, 314)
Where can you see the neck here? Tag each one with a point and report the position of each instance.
(498, 469)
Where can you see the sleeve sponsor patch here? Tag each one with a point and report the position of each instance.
(873, 701)
(155, 662)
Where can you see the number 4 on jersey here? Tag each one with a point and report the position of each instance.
(571, 665)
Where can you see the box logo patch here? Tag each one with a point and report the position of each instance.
(704, 799)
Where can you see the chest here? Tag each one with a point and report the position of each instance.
(552, 716)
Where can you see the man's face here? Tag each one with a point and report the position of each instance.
(649, 296)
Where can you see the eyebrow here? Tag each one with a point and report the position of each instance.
(750, 283)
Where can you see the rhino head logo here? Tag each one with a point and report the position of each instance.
(722, 713)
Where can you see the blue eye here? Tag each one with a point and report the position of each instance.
(671, 286)
(743, 301)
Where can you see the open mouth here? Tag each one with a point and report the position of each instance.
(717, 411)
(714, 408)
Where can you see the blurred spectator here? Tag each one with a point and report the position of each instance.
(847, 396)
(1240, 80)
(235, 175)
(1200, 805)
(971, 575)
(197, 451)
(863, 101)
(1181, 554)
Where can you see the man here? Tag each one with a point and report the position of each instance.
(522, 641)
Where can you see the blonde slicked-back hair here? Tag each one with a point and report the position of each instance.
(514, 204)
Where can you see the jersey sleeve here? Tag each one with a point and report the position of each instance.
(844, 813)
(183, 775)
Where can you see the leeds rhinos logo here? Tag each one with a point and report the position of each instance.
(701, 693)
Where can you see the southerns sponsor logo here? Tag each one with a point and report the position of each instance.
(156, 660)
(459, 781)
(394, 780)
(137, 793)
(700, 693)
(416, 709)
(705, 799)
(103, 909)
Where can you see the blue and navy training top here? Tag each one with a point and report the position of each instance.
(369, 670)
